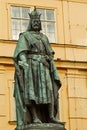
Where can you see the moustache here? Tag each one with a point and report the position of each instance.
(36, 24)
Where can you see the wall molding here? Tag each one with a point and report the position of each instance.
(77, 1)
(62, 64)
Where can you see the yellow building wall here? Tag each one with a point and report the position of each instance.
(70, 59)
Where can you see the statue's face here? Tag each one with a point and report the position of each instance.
(36, 24)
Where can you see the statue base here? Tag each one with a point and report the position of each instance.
(43, 126)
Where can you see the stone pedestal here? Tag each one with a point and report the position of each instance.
(44, 126)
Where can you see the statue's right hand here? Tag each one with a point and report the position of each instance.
(23, 64)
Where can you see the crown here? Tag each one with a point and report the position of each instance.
(34, 14)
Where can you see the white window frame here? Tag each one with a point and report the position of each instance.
(18, 18)
(46, 21)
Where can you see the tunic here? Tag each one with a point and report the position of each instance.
(40, 85)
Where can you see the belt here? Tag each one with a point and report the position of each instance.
(37, 53)
(40, 58)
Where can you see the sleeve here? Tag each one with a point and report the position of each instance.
(21, 46)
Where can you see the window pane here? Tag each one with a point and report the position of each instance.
(50, 15)
(15, 24)
(25, 24)
(25, 12)
(43, 26)
(15, 12)
(50, 27)
(42, 12)
(51, 37)
(15, 34)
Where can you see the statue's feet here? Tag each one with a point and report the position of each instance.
(19, 127)
(37, 121)
(53, 120)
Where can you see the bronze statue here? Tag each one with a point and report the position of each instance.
(36, 77)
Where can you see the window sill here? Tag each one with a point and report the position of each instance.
(12, 122)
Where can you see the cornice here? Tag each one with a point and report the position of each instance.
(52, 44)
(61, 64)
(68, 45)
(8, 41)
(77, 1)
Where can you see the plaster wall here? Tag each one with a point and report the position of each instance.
(70, 59)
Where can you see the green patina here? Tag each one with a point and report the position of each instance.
(36, 77)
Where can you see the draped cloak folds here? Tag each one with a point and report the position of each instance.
(40, 81)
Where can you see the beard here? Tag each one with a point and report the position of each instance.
(36, 27)
(31, 27)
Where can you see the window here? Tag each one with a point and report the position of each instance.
(20, 21)
(48, 23)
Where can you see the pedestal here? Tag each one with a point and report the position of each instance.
(44, 126)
